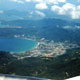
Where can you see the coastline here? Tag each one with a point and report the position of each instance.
(37, 45)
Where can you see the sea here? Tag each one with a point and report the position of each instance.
(17, 45)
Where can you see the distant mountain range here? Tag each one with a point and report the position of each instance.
(51, 29)
(13, 14)
(46, 22)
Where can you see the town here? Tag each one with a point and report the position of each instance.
(45, 48)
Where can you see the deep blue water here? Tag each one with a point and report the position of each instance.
(16, 45)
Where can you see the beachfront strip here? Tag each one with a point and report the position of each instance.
(46, 48)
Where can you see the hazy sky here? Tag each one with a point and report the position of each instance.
(60, 7)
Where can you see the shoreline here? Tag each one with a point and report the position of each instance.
(37, 45)
(25, 38)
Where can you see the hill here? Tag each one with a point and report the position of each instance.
(58, 68)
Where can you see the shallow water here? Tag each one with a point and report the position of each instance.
(16, 45)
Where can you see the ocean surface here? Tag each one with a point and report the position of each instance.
(16, 45)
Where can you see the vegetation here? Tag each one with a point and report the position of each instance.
(58, 68)
(5, 59)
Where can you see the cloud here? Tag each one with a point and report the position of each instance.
(50, 1)
(1, 12)
(76, 13)
(55, 1)
(31, 12)
(63, 1)
(18, 1)
(78, 0)
(41, 6)
(39, 1)
(71, 27)
(61, 7)
(40, 13)
(28, 0)
(67, 9)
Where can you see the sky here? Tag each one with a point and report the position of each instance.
(60, 7)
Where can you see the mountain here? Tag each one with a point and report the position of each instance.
(21, 15)
(41, 23)
(51, 29)
(57, 68)
(5, 59)
(14, 14)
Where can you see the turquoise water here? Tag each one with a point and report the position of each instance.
(16, 45)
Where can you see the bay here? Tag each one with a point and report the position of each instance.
(16, 45)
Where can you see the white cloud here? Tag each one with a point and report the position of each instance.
(71, 27)
(18, 1)
(40, 13)
(41, 1)
(28, 0)
(31, 12)
(38, 1)
(76, 13)
(63, 1)
(1, 12)
(50, 1)
(74, 78)
(41, 6)
(78, 0)
(67, 9)
(56, 8)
